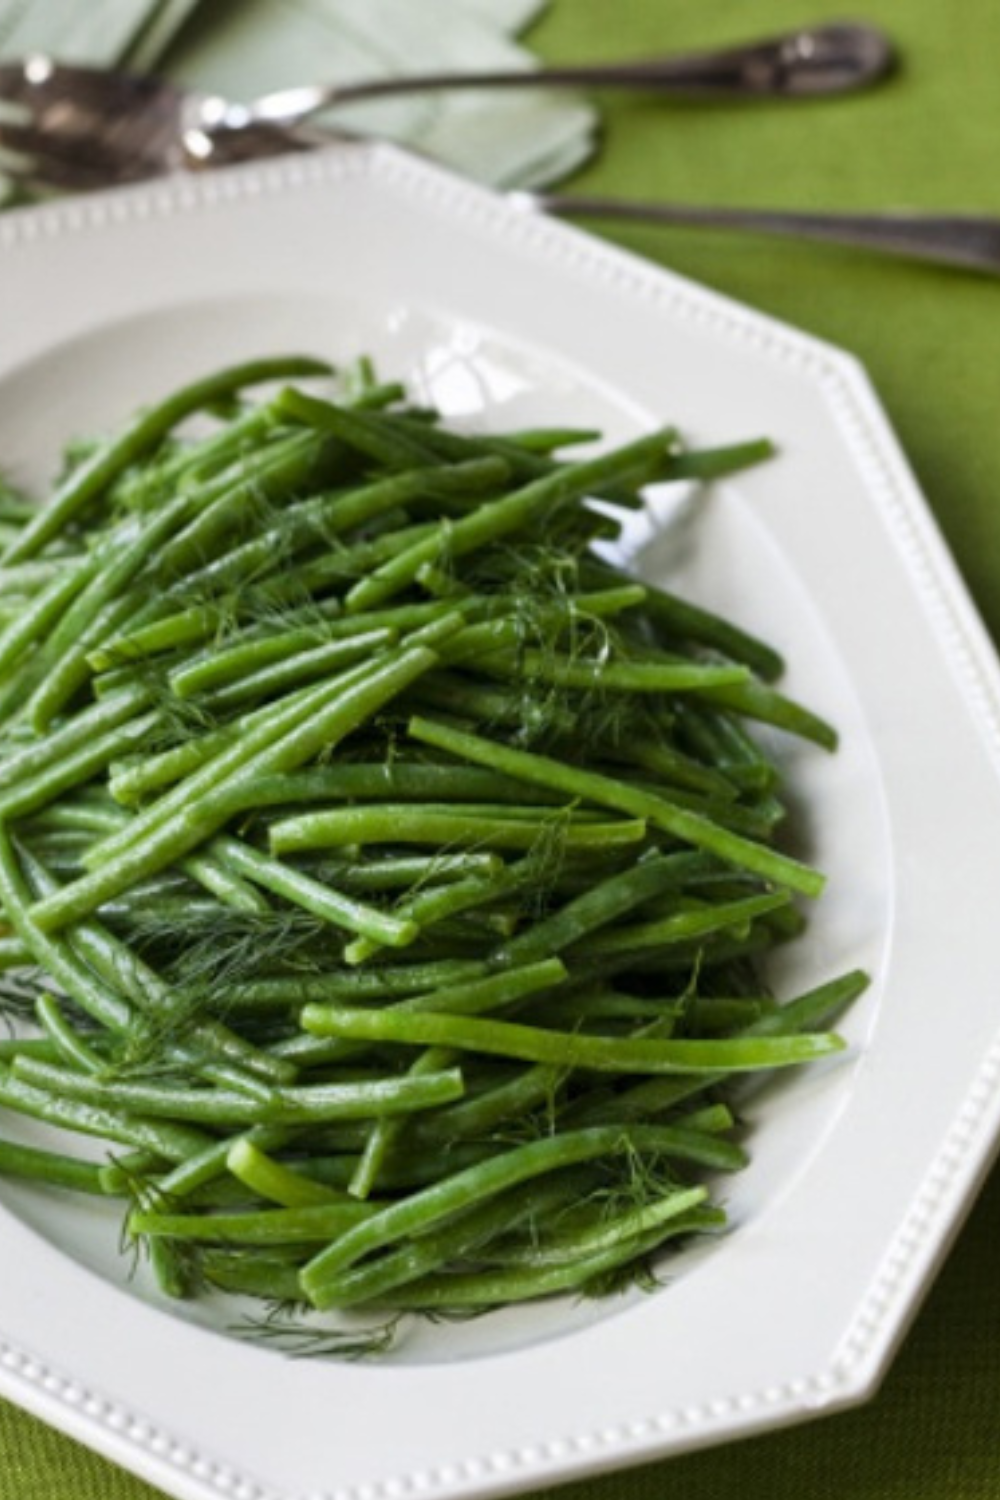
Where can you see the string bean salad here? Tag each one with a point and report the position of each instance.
(385, 874)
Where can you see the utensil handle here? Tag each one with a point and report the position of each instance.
(970, 241)
(816, 60)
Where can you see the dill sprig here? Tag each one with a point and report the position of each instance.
(287, 1329)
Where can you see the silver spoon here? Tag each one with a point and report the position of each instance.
(90, 127)
(811, 61)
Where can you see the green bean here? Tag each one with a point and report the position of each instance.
(302, 1225)
(272, 1180)
(681, 620)
(201, 1168)
(390, 872)
(312, 895)
(69, 1043)
(104, 1004)
(111, 982)
(641, 462)
(36, 791)
(477, 1228)
(13, 953)
(328, 515)
(815, 1007)
(284, 1105)
(185, 628)
(475, 995)
(600, 1235)
(134, 779)
(341, 565)
(195, 462)
(222, 666)
(506, 1287)
(99, 604)
(86, 482)
(398, 823)
(476, 1118)
(474, 999)
(53, 1168)
(359, 430)
(681, 926)
(328, 714)
(296, 990)
(27, 578)
(231, 502)
(720, 739)
(434, 904)
(320, 1277)
(756, 700)
(230, 754)
(402, 780)
(608, 792)
(604, 903)
(167, 1138)
(304, 666)
(223, 882)
(45, 609)
(613, 676)
(569, 1049)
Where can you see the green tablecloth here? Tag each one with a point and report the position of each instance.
(931, 138)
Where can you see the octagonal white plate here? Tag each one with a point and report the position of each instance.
(861, 1171)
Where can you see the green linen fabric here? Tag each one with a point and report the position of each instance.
(931, 342)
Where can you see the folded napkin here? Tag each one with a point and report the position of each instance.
(508, 140)
(126, 32)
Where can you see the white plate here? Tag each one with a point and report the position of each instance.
(861, 1171)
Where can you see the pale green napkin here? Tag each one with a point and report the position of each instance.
(508, 140)
(128, 32)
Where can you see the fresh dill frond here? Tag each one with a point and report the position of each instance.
(634, 1276)
(220, 945)
(19, 992)
(286, 1328)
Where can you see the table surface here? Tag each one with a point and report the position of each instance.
(927, 138)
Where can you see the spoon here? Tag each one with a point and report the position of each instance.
(81, 128)
(830, 59)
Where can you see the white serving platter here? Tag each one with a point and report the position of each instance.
(862, 1170)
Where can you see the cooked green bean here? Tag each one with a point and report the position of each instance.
(283, 1105)
(86, 482)
(320, 1278)
(328, 713)
(641, 462)
(390, 823)
(51, 1167)
(568, 1049)
(608, 792)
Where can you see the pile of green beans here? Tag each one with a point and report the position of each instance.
(386, 877)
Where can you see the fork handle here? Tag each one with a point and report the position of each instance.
(815, 60)
(969, 241)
